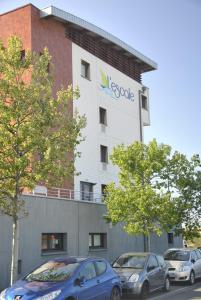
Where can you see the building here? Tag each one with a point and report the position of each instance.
(116, 104)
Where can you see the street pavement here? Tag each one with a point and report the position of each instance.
(178, 292)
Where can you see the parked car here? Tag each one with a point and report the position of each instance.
(142, 273)
(183, 264)
(68, 278)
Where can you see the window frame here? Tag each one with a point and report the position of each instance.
(102, 116)
(87, 73)
(170, 237)
(103, 240)
(61, 236)
(144, 102)
(104, 154)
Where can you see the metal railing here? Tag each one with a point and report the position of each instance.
(67, 194)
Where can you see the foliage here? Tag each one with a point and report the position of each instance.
(38, 134)
(157, 190)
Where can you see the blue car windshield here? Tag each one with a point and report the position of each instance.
(53, 271)
(130, 261)
(179, 255)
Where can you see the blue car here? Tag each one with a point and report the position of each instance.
(68, 278)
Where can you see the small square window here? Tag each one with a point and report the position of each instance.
(103, 116)
(22, 53)
(52, 242)
(144, 102)
(85, 69)
(103, 154)
(170, 237)
(97, 240)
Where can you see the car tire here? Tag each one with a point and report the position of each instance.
(144, 291)
(166, 287)
(115, 295)
(192, 278)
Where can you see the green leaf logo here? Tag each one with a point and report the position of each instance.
(104, 80)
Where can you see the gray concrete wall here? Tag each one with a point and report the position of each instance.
(75, 218)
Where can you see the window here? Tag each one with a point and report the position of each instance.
(97, 240)
(198, 254)
(152, 263)
(144, 102)
(161, 261)
(48, 65)
(103, 154)
(53, 242)
(86, 190)
(100, 267)
(22, 52)
(170, 237)
(193, 255)
(103, 116)
(85, 69)
(88, 271)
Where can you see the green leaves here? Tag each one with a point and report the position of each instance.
(157, 190)
(38, 133)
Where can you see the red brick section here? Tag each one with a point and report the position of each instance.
(36, 34)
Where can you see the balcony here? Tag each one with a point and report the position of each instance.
(67, 194)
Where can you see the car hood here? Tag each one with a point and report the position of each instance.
(32, 289)
(176, 264)
(126, 273)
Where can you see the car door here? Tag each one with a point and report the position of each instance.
(153, 272)
(88, 289)
(103, 279)
(198, 262)
(195, 263)
(162, 270)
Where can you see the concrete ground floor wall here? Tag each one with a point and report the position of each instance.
(74, 218)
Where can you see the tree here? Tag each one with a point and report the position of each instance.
(155, 191)
(38, 133)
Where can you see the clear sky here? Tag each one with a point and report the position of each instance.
(167, 31)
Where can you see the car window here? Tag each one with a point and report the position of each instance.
(161, 261)
(198, 254)
(88, 271)
(152, 263)
(133, 261)
(193, 255)
(100, 267)
(179, 255)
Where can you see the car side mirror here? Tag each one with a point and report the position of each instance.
(193, 260)
(80, 281)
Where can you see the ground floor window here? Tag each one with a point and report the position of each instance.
(97, 240)
(170, 237)
(53, 242)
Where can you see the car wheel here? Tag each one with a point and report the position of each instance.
(166, 287)
(144, 291)
(192, 278)
(115, 295)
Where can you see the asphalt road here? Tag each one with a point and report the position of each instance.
(178, 292)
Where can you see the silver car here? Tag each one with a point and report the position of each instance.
(142, 273)
(183, 264)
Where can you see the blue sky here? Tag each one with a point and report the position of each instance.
(167, 31)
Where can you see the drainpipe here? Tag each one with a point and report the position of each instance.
(140, 92)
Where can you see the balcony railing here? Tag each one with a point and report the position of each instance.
(67, 194)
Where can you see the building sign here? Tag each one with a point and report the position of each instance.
(114, 90)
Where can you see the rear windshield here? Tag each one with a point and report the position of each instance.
(130, 261)
(177, 255)
(53, 271)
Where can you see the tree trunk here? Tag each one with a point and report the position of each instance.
(15, 246)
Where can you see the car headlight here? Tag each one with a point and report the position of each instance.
(134, 278)
(49, 296)
(184, 268)
(2, 295)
